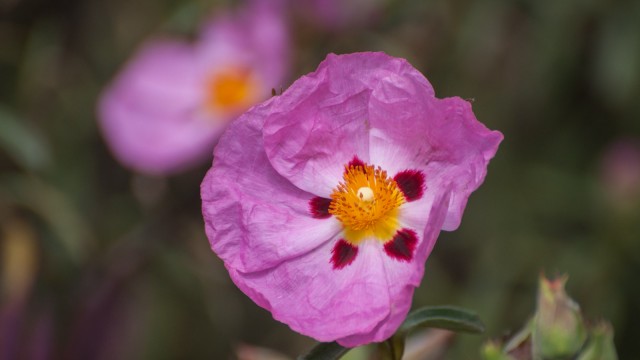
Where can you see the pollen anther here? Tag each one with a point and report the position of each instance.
(366, 194)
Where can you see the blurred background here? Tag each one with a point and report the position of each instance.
(99, 262)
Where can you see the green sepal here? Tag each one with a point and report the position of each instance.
(393, 348)
(441, 317)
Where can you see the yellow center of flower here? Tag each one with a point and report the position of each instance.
(231, 90)
(367, 203)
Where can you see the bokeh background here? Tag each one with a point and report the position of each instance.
(98, 262)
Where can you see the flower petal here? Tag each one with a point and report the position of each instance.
(404, 277)
(311, 143)
(343, 254)
(388, 326)
(411, 183)
(333, 303)
(474, 146)
(319, 207)
(322, 121)
(402, 246)
(440, 137)
(254, 218)
(360, 303)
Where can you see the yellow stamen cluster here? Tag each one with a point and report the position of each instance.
(367, 204)
(231, 90)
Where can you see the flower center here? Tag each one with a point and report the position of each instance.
(231, 90)
(367, 203)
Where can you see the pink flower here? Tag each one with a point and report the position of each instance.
(166, 109)
(325, 202)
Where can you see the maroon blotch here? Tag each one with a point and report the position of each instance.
(411, 183)
(355, 162)
(343, 254)
(319, 207)
(402, 246)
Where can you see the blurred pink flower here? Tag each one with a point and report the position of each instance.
(166, 109)
(325, 202)
(620, 172)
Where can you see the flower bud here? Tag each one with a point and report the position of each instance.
(558, 330)
(600, 346)
(493, 351)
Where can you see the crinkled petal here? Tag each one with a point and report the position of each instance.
(326, 117)
(363, 302)
(388, 326)
(150, 115)
(316, 300)
(404, 277)
(440, 137)
(472, 145)
(312, 153)
(255, 219)
(323, 121)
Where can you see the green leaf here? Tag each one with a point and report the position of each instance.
(20, 142)
(325, 351)
(57, 211)
(443, 317)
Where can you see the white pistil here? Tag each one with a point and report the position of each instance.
(365, 194)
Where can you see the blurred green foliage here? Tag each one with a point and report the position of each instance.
(115, 265)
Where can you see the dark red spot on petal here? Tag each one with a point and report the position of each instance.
(402, 246)
(355, 162)
(411, 182)
(319, 207)
(343, 254)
